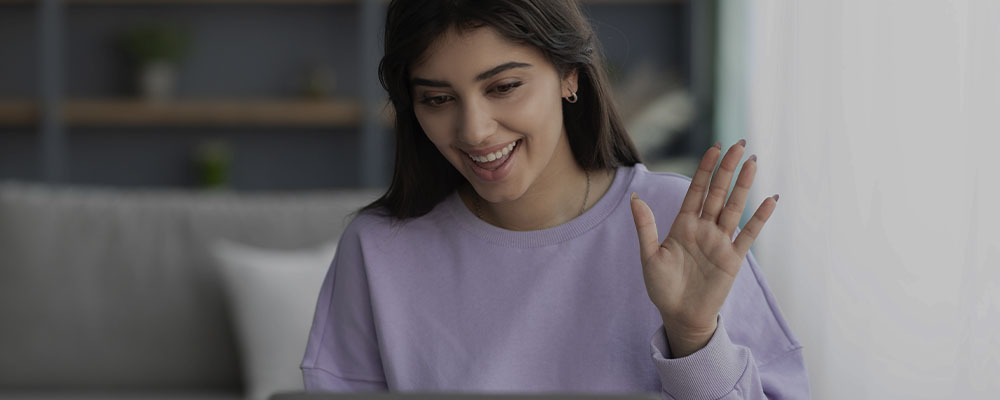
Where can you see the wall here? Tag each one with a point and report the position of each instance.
(243, 51)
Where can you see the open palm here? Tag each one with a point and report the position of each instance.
(689, 274)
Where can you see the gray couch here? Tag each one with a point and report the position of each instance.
(111, 293)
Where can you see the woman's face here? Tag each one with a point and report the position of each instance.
(494, 110)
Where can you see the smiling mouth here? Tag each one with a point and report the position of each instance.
(494, 161)
(497, 155)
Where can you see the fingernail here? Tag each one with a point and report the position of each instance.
(718, 145)
(634, 196)
(753, 158)
(743, 142)
(775, 197)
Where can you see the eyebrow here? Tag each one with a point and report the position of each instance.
(481, 77)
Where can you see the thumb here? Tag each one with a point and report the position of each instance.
(645, 227)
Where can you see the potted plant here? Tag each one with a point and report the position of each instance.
(156, 49)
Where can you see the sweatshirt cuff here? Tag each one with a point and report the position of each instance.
(708, 373)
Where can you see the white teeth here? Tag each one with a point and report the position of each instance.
(494, 156)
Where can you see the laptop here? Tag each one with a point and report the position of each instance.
(458, 396)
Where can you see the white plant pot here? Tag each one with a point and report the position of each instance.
(156, 81)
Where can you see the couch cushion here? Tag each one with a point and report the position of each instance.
(115, 289)
(272, 296)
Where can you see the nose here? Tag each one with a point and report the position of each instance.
(476, 122)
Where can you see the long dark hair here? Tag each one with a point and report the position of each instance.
(422, 177)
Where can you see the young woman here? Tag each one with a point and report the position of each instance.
(512, 251)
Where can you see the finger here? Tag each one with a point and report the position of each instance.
(733, 210)
(750, 231)
(645, 227)
(699, 184)
(721, 181)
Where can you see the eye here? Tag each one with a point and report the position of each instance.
(435, 101)
(507, 87)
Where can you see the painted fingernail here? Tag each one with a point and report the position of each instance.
(753, 158)
(775, 197)
(634, 196)
(717, 145)
(743, 142)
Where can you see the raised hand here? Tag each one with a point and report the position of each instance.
(689, 274)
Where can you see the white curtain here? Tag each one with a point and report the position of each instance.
(878, 122)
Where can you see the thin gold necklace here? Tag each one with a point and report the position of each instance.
(586, 195)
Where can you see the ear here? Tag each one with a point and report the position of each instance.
(569, 84)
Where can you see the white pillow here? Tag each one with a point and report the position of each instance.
(272, 295)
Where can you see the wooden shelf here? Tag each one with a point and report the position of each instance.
(127, 112)
(18, 112)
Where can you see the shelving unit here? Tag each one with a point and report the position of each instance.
(128, 112)
(54, 112)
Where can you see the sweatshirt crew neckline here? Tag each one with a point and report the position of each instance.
(548, 236)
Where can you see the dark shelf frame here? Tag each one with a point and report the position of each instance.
(52, 124)
(374, 140)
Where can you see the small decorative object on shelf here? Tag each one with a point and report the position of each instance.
(213, 161)
(319, 82)
(156, 49)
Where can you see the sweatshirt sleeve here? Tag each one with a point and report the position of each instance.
(342, 353)
(752, 354)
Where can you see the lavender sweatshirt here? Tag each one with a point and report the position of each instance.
(448, 303)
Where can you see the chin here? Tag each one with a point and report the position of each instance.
(498, 192)
(501, 191)
(506, 189)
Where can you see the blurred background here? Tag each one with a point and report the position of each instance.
(174, 175)
(273, 94)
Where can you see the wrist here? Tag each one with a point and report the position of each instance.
(684, 341)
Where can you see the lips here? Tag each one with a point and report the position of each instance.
(498, 168)
(491, 160)
(486, 151)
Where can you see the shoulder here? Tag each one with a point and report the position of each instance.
(368, 225)
(645, 179)
(753, 317)
(365, 223)
(375, 227)
(663, 191)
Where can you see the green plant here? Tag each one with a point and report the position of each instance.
(155, 42)
(213, 161)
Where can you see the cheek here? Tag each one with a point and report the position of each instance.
(537, 115)
(436, 126)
